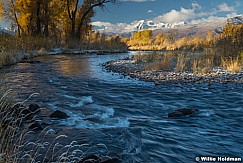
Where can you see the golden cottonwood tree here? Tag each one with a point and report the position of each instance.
(70, 18)
(80, 16)
(1, 9)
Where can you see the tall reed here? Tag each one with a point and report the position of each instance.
(18, 144)
(180, 66)
(232, 65)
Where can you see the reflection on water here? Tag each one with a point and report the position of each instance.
(72, 67)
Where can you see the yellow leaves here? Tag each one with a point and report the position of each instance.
(159, 39)
(1, 10)
(141, 38)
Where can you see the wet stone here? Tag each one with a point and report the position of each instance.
(35, 126)
(182, 112)
(59, 115)
(34, 108)
(136, 70)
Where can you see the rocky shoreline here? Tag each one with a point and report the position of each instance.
(128, 67)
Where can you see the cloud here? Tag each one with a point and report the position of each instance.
(179, 16)
(207, 19)
(196, 6)
(136, 1)
(109, 27)
(193, 15)
(149, 11)
(176, 16)
(101, 24)
(225, 8)
(231, 15)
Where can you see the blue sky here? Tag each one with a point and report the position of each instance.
(125, 12)
(169, 11)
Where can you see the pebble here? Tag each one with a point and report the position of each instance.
(134, 70)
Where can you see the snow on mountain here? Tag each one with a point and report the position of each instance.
(201, 29)
(181, 29)
(236, 20)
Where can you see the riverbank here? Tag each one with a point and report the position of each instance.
(129, 67)
(12, 58)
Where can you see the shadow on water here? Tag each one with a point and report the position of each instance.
(126, 109)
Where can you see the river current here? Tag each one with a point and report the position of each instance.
(96, 99)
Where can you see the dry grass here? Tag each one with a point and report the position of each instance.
(209, 64)
(13, 49)
(197, 66)
(180, 66)
(138, 58)
(18, 144)
(147, 58)
(157, 61)
(9, 58)
(231, 65)
(11, 138)
(197, 63)
(158, 65)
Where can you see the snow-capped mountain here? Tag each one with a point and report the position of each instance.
(236, 20)
(182, 28)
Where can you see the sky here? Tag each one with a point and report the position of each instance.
(121, 15)
(127, 12)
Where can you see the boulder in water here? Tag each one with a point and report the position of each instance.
(89, 159)
(182, 112)
(110, 160)
(59, 115)
(30, 111)
(95, 159)
(34, 108)
(35, 126)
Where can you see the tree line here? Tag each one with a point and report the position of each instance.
(59, 19)
(228, 43)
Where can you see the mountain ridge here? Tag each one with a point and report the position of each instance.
(181, 29)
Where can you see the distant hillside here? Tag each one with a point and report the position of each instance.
(200, 30)
(181, 29)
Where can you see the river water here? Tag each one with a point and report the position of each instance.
(96, 100)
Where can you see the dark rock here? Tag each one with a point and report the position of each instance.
(30, 111)
(90, 159)
(182, 112)
(17, 108)
(59, 115)
(35, 126)
(110, 160)
(30, 61)
(126, 59)
(34, 108)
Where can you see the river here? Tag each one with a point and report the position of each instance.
(96, 99)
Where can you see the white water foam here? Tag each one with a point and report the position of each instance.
(70, 97)
(85, 100)
(234, 109)
(206, 113)
(103, 112)
(95, 116)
